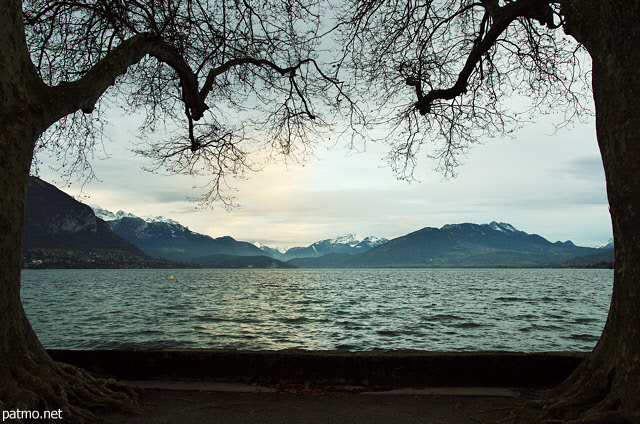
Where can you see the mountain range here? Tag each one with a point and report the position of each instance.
(61, 232)
(58, 223)
(351, 244)
(160, 237)
(462, 245)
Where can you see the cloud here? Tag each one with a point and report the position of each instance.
(550, 185)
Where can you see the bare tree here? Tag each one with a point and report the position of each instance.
(446, 71)
(235, 75)
(451, 62)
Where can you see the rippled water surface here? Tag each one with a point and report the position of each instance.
(523, 310)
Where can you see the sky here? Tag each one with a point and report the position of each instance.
(541, 181)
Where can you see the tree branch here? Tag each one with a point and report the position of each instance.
(85, 92)
(215, 72)
(502, 17)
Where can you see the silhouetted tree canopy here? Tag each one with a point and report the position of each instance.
(447, 74)
(232, 77)
(221, 79)
(450, 73)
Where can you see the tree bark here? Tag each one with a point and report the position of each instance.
(29, 378)
(22, 121)
(606, 387)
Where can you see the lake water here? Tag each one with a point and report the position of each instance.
(525, 310)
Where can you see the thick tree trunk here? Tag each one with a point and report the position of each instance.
(29, 379)
(22, 121)
(17, 339)
(606, 388)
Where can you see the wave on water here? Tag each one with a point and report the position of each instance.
(438, 310)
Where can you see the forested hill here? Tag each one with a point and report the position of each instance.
(459, 245)
(61, 232)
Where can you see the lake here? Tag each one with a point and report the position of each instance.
(524, 310)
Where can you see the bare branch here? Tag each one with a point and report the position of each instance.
(502, 17)
(225, 67)
(85, 92)
(212, 67)
(441, 74)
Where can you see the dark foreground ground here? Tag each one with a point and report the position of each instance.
(318, 405)
(231, 386)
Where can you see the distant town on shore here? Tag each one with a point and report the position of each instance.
(61, 232)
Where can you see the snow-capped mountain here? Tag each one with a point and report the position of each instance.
(348, 243)
(458, 245)
(356, 240)
(503, 226)
(607, 245)
(56, 222)
(102, 213)
(350, 239)
(106, 215)
(149, 218)
(162, 237)
(276, 252)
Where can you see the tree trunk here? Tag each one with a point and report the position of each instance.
(606, 387)
(17, 139)
(21, 122)
(29, 378)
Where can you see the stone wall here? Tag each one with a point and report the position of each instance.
(388, 369)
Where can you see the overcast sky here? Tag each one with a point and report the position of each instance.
(541, 182)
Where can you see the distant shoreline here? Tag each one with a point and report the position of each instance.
(43, 266)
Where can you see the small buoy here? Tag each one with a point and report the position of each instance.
(171, 277)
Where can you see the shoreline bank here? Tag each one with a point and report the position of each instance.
(402, 368)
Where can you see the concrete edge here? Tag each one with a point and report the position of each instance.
(204, 386)
(391, 369)
(451, 391)
(201, 386)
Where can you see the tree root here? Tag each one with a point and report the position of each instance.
(589, 397)
(45, 385)
(610, 417)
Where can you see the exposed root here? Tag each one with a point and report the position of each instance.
(609, 417)
(589, 397)
(44, 385)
